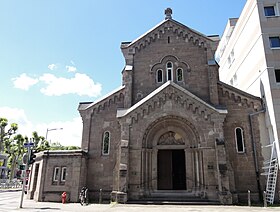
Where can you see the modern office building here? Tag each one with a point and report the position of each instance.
(249, 59)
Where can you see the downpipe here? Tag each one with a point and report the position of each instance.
(256, 161)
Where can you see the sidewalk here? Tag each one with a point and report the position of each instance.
(10, 189)
(30, 205)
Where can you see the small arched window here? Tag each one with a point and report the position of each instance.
(169, 71)
(159, 76)
(106, 143)
(239, 139)
(179, 75)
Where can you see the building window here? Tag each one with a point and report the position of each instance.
(63, 174)
(159, 76)
(274, 42)
(239, 139)
(106, 143)
(179, 75)
(269, 11)
(229, 60)
(277, 75)
(56, 174)
(169, 71)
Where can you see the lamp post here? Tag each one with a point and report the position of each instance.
(52, 130)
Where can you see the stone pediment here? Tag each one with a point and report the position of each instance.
(186, 33)
(175, 93)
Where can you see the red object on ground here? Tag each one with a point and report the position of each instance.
(63, 197)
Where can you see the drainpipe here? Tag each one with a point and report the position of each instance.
(256, 162)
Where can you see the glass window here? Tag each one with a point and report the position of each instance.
(269, 11)
(159, 76)
(106, 143)
(239, 140)
(274, 42)
(56, 174)
(179, 75)
(169, 71)
(277, 75)
(63, 174)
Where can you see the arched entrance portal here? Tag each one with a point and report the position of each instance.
(171, 159)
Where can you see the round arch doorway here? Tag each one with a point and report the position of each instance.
(168, 155)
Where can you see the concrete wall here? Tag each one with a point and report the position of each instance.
(254, 62)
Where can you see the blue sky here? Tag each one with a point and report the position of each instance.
(57, 53)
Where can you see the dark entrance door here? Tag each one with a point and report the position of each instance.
(171, 170)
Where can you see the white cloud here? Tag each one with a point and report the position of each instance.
(81, 84)
(52, 66)
(71, 68)
(16, 115)
(70, 135)
(24, 82)
(67, 133)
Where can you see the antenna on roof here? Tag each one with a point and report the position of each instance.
(168, 13)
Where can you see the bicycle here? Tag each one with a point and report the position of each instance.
(83, 196)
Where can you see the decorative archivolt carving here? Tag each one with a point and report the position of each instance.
(166, 137)
(170, 138)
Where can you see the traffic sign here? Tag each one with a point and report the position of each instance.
(26, 145)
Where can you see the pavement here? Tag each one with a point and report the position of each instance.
(9, 202)
(35, 206)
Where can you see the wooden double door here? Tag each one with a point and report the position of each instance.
(171, 170)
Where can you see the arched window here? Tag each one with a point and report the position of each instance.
(179, 75)
(169, 71)
(106, 143)
(239, 139)
(159, 76)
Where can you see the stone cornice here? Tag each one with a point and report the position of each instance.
(170, 25)
(105, 101)
(174, 92)
(240, 96)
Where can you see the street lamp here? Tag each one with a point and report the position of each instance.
(52, 130)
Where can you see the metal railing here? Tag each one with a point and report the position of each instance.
(7, 184)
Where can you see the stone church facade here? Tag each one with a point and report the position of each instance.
(172, 131)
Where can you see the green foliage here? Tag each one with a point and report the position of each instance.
(12, 144)
(58, 146)
(5, 134)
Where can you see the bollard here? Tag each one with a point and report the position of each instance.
(100, 196)
(264, 199)
(249, 198)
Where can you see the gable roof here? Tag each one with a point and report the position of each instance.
(87, 105)
(181, 28)
(124, 112)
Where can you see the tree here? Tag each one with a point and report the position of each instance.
(6, 135)
(15, 149)
(40, 143)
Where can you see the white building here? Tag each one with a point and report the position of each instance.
(249, 59)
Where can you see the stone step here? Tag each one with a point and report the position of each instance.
(168, 202)
(174, 198)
